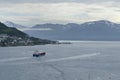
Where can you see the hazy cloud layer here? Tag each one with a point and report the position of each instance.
(29, 12)
(56, 1)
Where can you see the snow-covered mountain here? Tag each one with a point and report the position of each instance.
(95, 30)
(11, 24)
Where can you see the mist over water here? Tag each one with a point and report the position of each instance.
(81, 60)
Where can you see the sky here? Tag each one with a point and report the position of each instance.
(31, 12)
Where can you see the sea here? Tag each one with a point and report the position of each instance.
(81, 60)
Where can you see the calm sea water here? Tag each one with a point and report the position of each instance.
(81, 60)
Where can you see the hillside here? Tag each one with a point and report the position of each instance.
(11, 31)
(10, 36)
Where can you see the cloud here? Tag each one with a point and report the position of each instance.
(49, 11)
(56, 1)
(36, 29)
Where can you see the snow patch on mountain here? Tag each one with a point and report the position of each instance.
(11, 24)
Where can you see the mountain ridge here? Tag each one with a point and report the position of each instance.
(94, 30)
(12, 24)
(90, 22)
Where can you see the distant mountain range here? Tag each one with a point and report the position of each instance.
(94, 30)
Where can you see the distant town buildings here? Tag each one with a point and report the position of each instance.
(6, 40)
